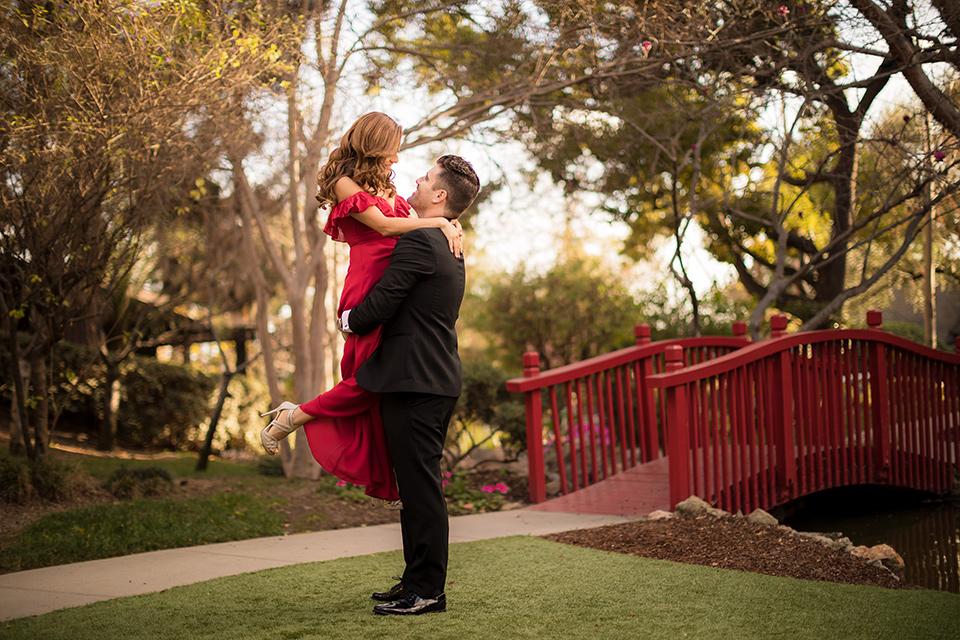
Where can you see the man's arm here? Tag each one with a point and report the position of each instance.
(411, 260)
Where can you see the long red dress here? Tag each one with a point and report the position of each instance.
(346, 437)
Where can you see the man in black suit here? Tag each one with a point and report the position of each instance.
(416, 368)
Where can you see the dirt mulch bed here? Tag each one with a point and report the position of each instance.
(733, 543)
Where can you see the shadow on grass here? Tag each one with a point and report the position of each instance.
(516, 587)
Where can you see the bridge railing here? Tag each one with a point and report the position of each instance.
(809, 411)
(599, 417)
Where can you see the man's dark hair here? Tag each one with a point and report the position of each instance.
(460, 182)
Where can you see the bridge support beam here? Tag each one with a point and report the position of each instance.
(534, 413)
(678, 440)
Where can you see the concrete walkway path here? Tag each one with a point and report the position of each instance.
(40, 591)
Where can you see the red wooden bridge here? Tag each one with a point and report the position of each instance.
(742, 425)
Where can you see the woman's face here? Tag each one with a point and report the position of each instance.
(392, 159)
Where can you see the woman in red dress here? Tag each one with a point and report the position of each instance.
(343, 425)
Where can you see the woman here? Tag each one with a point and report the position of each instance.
(343, 425)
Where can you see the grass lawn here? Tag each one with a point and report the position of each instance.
(136, 526)
(516, 587)
(180, 465)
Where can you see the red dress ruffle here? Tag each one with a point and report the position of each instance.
(346, 435)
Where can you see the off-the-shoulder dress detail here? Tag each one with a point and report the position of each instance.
(346, 435)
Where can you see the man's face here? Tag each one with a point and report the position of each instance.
(423, 197)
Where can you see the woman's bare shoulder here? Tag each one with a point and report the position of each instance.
(345, 187)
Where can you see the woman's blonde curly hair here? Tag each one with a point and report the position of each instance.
(372, 139)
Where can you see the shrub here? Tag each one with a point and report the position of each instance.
(162, 404)
(270, 466)
(22, 480)
(15, 483)
(140, 482)
(486, 401)
(57, 481)
(461, 498)
(914, 332)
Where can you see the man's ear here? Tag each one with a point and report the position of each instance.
(439, 196)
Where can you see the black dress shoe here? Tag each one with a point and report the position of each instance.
(412, 605)
(395, 593)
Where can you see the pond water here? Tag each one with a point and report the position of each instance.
(923, 529)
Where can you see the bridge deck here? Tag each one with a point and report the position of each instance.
(634, 492)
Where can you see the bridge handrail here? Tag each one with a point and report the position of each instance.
(569, 372)
(760, 350)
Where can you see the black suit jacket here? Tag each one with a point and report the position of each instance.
(418, 302)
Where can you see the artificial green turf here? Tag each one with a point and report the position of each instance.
(516, 587)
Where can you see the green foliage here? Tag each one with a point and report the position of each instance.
(22, 480)
(271, 466)
(462, 498)
(139, 482)
(347, 491)
(16, 485)
(914, 332)
(123, 528)
(241, 412)
(719, 309)
(162, 403)
(574, 311)
(486, 402)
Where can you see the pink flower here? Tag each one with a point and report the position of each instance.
(341, 483)
(782, 11)
(646, 45)
(939, 155)
(502, 488)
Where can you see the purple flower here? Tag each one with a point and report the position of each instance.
(939, 155)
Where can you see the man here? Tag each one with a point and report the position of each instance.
(416, 368)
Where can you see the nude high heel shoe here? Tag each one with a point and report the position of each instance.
(271, 444)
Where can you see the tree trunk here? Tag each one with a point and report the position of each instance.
(225, 378)
(41, 413)
(17, 441)
(111, 404)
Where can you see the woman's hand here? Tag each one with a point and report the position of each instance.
(454, 233)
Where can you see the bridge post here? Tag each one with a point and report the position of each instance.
(740, 330)
(678, 423)
(534, 411)
(641, 333)
(778, 326)
(879, 401)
